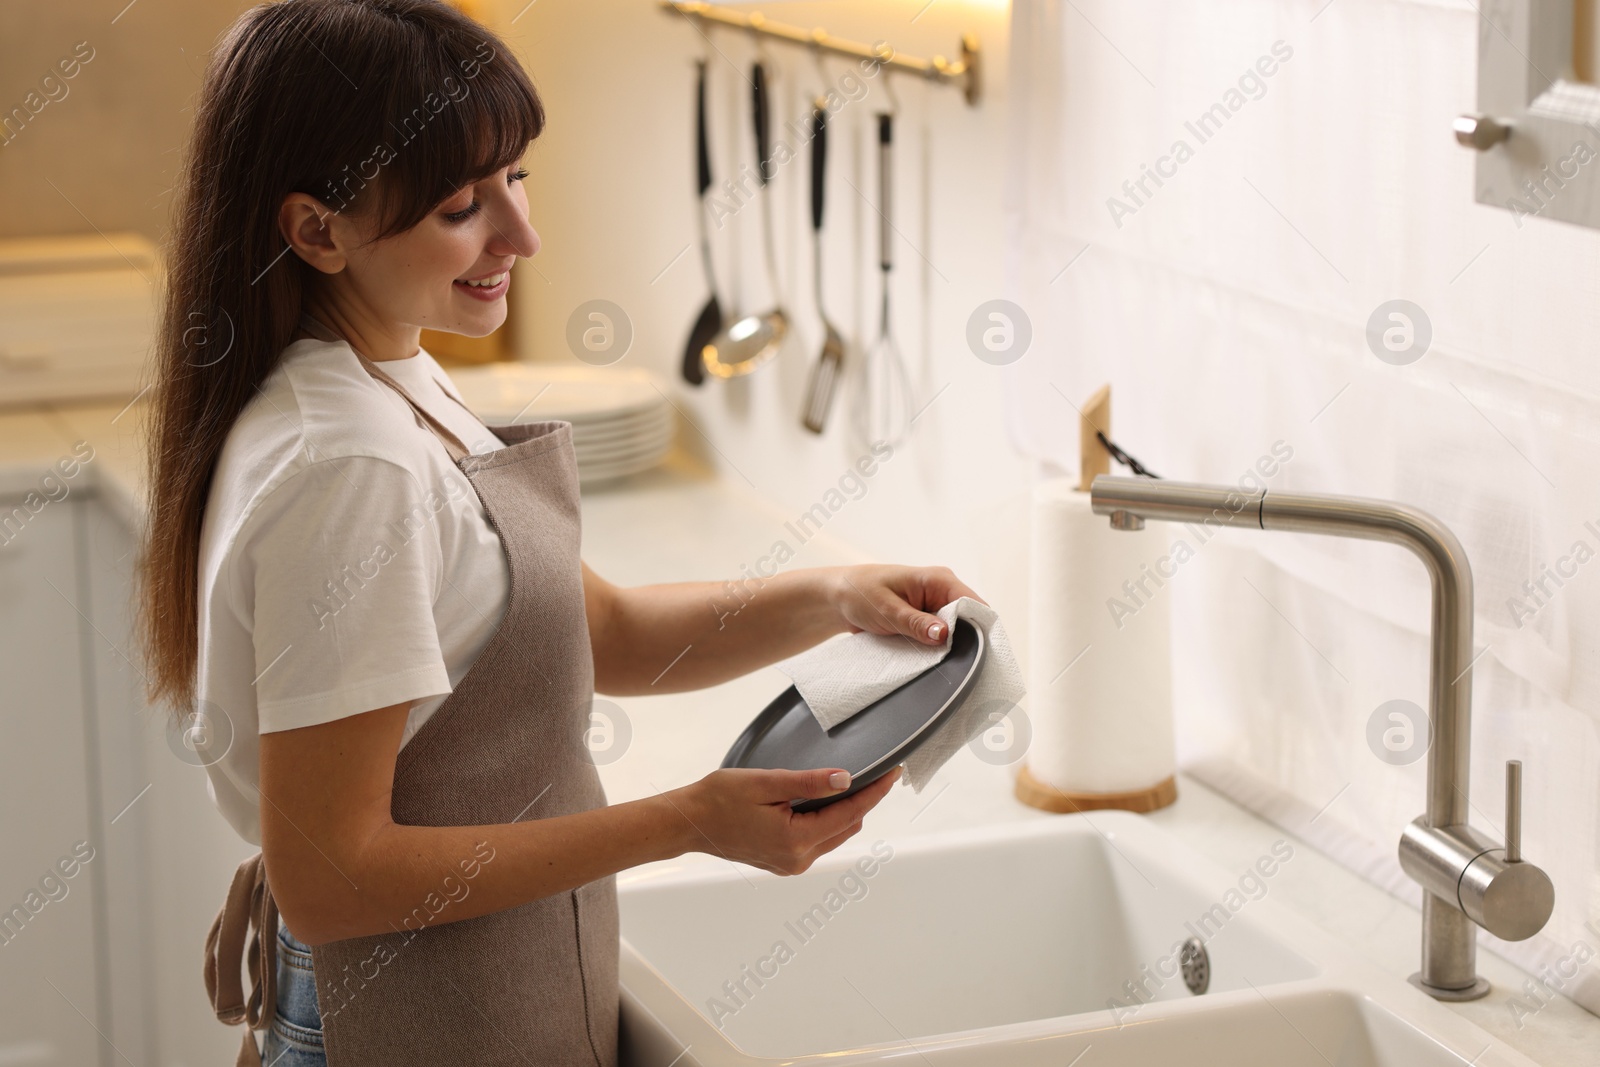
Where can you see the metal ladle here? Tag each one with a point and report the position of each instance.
(750, 341)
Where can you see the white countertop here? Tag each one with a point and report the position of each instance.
(680, 522)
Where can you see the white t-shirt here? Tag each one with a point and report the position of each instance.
(346, 563)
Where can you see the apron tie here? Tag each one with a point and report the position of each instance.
(248, 915)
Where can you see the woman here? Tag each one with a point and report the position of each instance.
(397, 643)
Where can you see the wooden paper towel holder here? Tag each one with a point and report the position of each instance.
(1046, 797)
(1094, 419)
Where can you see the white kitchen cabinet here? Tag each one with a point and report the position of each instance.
(51, 973)
(83, 759)
(172, 854)
(114, 683)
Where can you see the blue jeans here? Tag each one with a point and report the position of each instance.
(294, 1037)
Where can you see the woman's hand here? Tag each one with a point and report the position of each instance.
(743, 814)
(888, 599)
(678, 636)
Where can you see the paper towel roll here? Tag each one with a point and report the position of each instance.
(1100, 672)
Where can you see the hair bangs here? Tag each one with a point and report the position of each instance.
(460, 112)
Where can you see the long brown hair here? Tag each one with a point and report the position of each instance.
(382, 108)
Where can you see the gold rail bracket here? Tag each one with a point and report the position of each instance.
(963, 73)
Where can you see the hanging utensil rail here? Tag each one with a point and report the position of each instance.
(963, 71)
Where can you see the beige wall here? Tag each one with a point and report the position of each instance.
(105, 155)
(611, 189)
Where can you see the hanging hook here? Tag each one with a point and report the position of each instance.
(883, 51)
(757, 20)
(888, 89)
(824, 90)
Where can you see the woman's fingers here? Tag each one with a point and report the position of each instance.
(909, 599)
(919, 625)
(832, 819)
(893, 608)
(770, 786)
(902, 600)
(940, 586)
(835, 841)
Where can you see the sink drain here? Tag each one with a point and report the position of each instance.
(1196, 965)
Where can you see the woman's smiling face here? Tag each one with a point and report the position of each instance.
(449, 272)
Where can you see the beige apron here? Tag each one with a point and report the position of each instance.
(535, 984)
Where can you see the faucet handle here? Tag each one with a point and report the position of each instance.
(1513, 811)
(1503, 893)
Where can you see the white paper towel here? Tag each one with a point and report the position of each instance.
(1100, 663)
(847, 672)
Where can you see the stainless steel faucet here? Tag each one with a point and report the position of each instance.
(1466, 876)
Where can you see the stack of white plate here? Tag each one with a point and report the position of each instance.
(622, 422)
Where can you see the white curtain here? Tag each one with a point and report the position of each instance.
(1221, 275)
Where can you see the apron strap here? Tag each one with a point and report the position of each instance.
(452, 443)
(249, 906)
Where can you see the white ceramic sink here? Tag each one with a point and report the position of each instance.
(1026, 943)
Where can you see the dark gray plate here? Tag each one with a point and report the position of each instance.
(875, 739)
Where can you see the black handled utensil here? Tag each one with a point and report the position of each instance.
(762, 115)
(825, 374)
(709, 324)
(885, 399)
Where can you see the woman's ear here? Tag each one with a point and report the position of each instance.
(314, 232)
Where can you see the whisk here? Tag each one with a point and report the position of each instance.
(883, 411)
